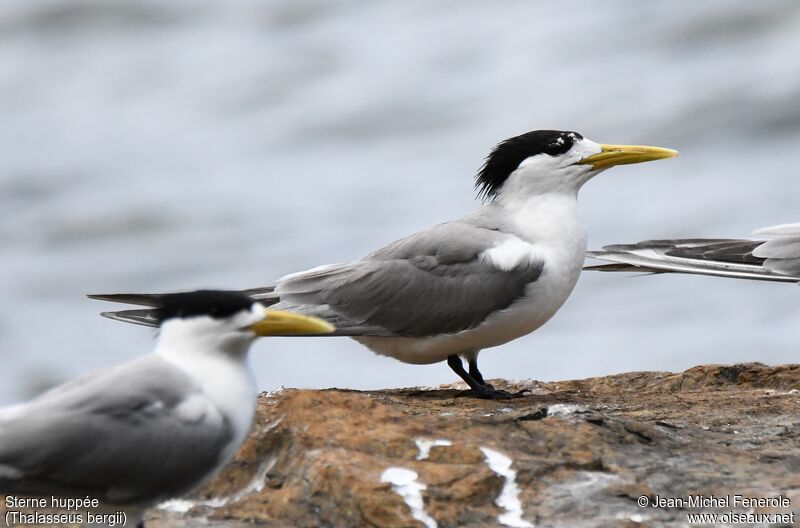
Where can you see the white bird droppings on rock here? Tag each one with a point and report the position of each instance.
(509, 495)
(404, 482)
(424, 445)
(564, 409)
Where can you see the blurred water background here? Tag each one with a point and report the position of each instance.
(154, 146)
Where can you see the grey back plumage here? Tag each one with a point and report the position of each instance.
(120, 435)
(429, 283)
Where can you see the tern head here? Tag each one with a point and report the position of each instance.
(226, 321)
(554, 161)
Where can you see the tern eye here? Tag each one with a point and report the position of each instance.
(556, 148)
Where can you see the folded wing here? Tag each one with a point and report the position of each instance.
(436, 281)
(125, 435)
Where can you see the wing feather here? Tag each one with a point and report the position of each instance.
(117, 435)
(430, 283)
(435, 281)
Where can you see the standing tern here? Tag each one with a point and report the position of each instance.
(450, 291)
(157, 427)
(777, 259)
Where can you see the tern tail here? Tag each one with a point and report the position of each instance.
(733, 258)
(139, 299)
(152, 300)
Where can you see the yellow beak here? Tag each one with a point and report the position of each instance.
(625, 155)
(279, 323)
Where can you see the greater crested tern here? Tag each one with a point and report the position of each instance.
(776, 259)
(154, 428)
(450, 291)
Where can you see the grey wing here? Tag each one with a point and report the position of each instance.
(775, 260)
(121, 435)
(430, 283)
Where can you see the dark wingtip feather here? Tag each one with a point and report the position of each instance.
(213, 303)
(153, 300)
(139, 299)
(138, 317)
(623, 267)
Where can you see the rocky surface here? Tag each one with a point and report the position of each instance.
(568, 454)
(573, 453)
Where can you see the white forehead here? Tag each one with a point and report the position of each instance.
(584, 148)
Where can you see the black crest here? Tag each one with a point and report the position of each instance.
(214, 303)
(506, 157)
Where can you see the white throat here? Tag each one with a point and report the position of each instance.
(217, 361)
(202, 336)
(550, 218)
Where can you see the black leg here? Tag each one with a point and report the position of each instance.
(454, 362)
(476, 374)
(479, 389)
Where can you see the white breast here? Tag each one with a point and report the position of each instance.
(229, 388)
(220, 368)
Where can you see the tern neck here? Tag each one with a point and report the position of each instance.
(544, 217)
(217, 361)
(553, 204)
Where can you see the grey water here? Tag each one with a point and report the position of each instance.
(156, 146)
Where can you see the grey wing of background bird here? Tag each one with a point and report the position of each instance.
(430, 283)
(129, 434)
(777, 259)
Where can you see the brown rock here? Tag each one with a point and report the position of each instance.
(583, 451)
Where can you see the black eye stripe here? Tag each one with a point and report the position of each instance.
(554, 149)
